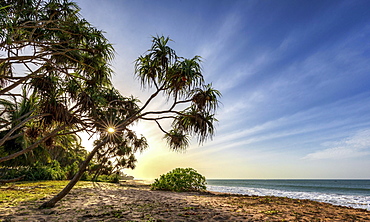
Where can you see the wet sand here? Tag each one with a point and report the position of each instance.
(134, 201)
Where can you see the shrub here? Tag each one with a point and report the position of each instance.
(113, 178)
(37, 171)
(179, 180)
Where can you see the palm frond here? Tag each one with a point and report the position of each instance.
(176, 140)
(206, 98)
(195, 122)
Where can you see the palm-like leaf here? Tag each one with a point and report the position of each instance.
(176, 140)
(184, 75)
(146, 70)
(195, 122)
(152, 68)
(160, 52)
(206, 99)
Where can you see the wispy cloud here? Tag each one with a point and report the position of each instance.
(293, 75)
(355, 146)
(310, 126)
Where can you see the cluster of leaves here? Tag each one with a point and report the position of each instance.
(179, 180)
(181, 81)
(61, 62)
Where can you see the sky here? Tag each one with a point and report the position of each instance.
(294, 78)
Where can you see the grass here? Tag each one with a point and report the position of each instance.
(270, 212)
(14, 193)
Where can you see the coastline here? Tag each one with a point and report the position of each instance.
(350, 193)
(134, 201)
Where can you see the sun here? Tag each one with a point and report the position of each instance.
(111, 130)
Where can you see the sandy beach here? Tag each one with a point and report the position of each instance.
(134, 201)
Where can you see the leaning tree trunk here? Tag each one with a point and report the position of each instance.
(75, 179)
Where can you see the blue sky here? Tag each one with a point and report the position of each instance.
(294, 75)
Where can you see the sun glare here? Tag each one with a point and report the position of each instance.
(111, 130)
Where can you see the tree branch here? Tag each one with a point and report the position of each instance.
(160, 112)
(14, 155)
(158, 118)
(160, 127)
(5, 138)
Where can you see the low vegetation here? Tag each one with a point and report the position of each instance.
(179, 180)
(13, 193)
(54, 171)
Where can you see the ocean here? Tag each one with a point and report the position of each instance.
(350, 193)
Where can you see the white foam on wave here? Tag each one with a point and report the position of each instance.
(354, 201)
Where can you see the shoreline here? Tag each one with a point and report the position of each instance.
(330, 198)
(134, 201)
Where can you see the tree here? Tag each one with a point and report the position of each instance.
(54, 55)
(67, 63)
(47, 49)
(180, 81)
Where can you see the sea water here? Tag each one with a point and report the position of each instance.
(350, 193)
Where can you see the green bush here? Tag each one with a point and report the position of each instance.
(179, 180)
(113, 178)
(37, 171)
(53, 171)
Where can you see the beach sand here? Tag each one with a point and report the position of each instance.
(134, 201)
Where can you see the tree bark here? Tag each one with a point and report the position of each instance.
(75, 179)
